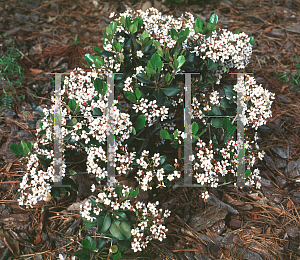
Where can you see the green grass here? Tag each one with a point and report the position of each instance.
(283, 77)
(11, 74)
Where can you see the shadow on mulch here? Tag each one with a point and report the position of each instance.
(232, 224)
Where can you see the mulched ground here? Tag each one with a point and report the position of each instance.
(248, 224)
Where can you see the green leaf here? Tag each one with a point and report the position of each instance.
(162, 159)
(89, 58)
(117, 256)
(132, 28)
(108, 31)
(171, 90)
(138, 93)
(130, 96)
(213, 18)
(30, 145)
(195, 128)
(118, 190)
(25, 148)
(122, 20)
(77, 109)
(233, 128)
(199, 23)
(142, 79)
(82, 255)
(133, 131)
(217, 122)
(252, 40)
(123, 245)
(133, 193)
(217, 111)
(126, 229)
(114, 249)
(116, 231)
(145, 35)
(247, 173)
(174, 34)
(140, 122)
(168, 168)
(86, 243)
(226, 124)
(164, 134)
(98, 85)
(127, 22)
(101, 243)
(155, 61)
(105, 224)
(72, 172)
(90, 225)
(212, 65)
(92, 242)
(72, 104)
(122, 215)
(180, 61)
(97, 49)
(16, 149)
(175, 133)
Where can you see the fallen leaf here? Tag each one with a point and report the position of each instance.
(268, 29)
(34, 72)
(38, 239)
(11, 244)
(237, 240)
(289, 204)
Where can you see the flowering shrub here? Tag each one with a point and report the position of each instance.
(132, 47)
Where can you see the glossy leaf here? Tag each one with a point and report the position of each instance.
(213, 18)
(226, 124)
(171, 90)
(162, 159)
(140, 122)
(195, 128)
(138, 93)
(130, 96)
(101, 243)
(89, 58)
(168, 168)
(212, 65)
(105, 224)
(72, 104)
(199, 23)
(180, 61)
(247, 173)
(116, 231)
(164, 134)
(176, 133)
(133, 193)
(155, 61)
(126, 229)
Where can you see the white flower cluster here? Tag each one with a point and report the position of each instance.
(145, 177)
(149, 219)
(228, 49)
(150, 111)
(258, 109)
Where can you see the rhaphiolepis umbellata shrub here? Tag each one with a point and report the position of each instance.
(148, 51)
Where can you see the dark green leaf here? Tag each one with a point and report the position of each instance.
(212, 65)
(106, 223)
(80, 254)
(126, 229)
(116, 231)
(199, 23)
(172, 90)
(123, 245)
(133, 193)
(226, 124)
(138, 93)
(247, 173)
(118, 190)
(217, 122)
(162, 159)
(168, 168)
(72, 104)
(16, 149)
(101, 243)
(97, 49)
(117, 256)
(217, 111)
(127, 22)
(89, 58)
(107, 54)
(155, 61)
(142, 79)
(130, 96)
(140, 122)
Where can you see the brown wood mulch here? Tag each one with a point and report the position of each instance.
(253, 224)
